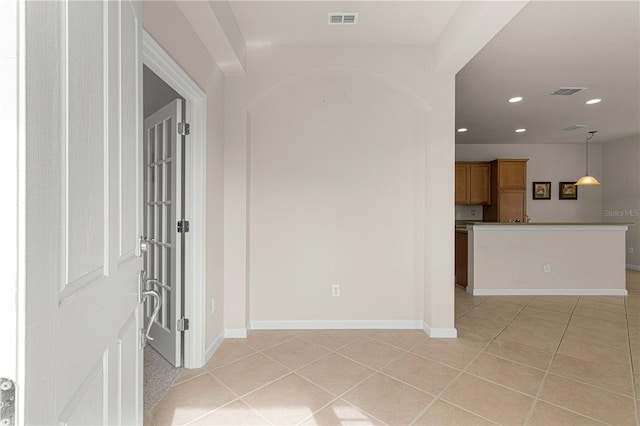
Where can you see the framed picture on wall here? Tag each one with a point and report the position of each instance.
(541, 190)
(568, 191)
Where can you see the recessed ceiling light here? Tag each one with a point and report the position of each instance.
(462, 129)
(521, 130)
(515, 99)
(593, 101)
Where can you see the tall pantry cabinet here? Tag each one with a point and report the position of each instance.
(508, 191)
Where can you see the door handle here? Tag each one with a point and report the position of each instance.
(156, 310)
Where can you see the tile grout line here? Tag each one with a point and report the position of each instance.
(408, 351)
(340, 396)
(242, 395)
(634, 385)
(548, 371)
(562, 374)
(575, 412)
(255, 351)
(238, 397)
(464, 369)
(413, 423)
(294, 371)
(522, 364)
(582, 382)
(374, 372)
(597, 386)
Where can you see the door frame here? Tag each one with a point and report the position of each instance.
(158, 61)
(12, 174)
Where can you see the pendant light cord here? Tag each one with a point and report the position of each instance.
(586, 145)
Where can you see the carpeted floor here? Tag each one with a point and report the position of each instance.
(159, 375)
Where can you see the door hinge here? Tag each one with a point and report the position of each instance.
(183, 128)
(183, 324)
(7, 402)
(183, 226)
(142, 247)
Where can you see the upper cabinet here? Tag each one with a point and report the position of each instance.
(473, 183)
(512, 174)
(462, 183)
(479, 183)
(508, 191)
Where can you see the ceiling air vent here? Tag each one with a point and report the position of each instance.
(567, 91)
(350, 18)
(575, 127)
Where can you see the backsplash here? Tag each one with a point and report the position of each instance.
(469, 213)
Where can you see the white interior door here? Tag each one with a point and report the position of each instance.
(83, 212)
(162, 210)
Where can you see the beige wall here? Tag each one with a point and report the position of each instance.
(621, 190)
(550, 163)
(336, 165)
(327, 154)
(164, 21)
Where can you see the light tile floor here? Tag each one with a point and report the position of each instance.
(553, 360)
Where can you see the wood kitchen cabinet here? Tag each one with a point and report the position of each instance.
(508, 190)
(461, 262)
(473, 183)
(511, 174)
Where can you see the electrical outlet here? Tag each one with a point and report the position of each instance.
(213, 306)
(473, 213)
(546, 267)
(630, 249)
(335, 290)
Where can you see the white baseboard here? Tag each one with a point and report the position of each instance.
(440, 333)
(547, 292)
(236, 333)
(214, 346)
(337, 325)
(634, 267)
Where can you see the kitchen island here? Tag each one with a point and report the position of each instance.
(546, 259)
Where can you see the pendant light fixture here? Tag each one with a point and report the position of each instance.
(586, 179)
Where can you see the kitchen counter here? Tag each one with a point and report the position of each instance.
(572, 258)
(461, 226)
(552, 225)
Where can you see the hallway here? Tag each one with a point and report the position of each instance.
(518, 360)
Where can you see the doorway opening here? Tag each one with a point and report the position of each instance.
(163, 198)
(175, 164)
